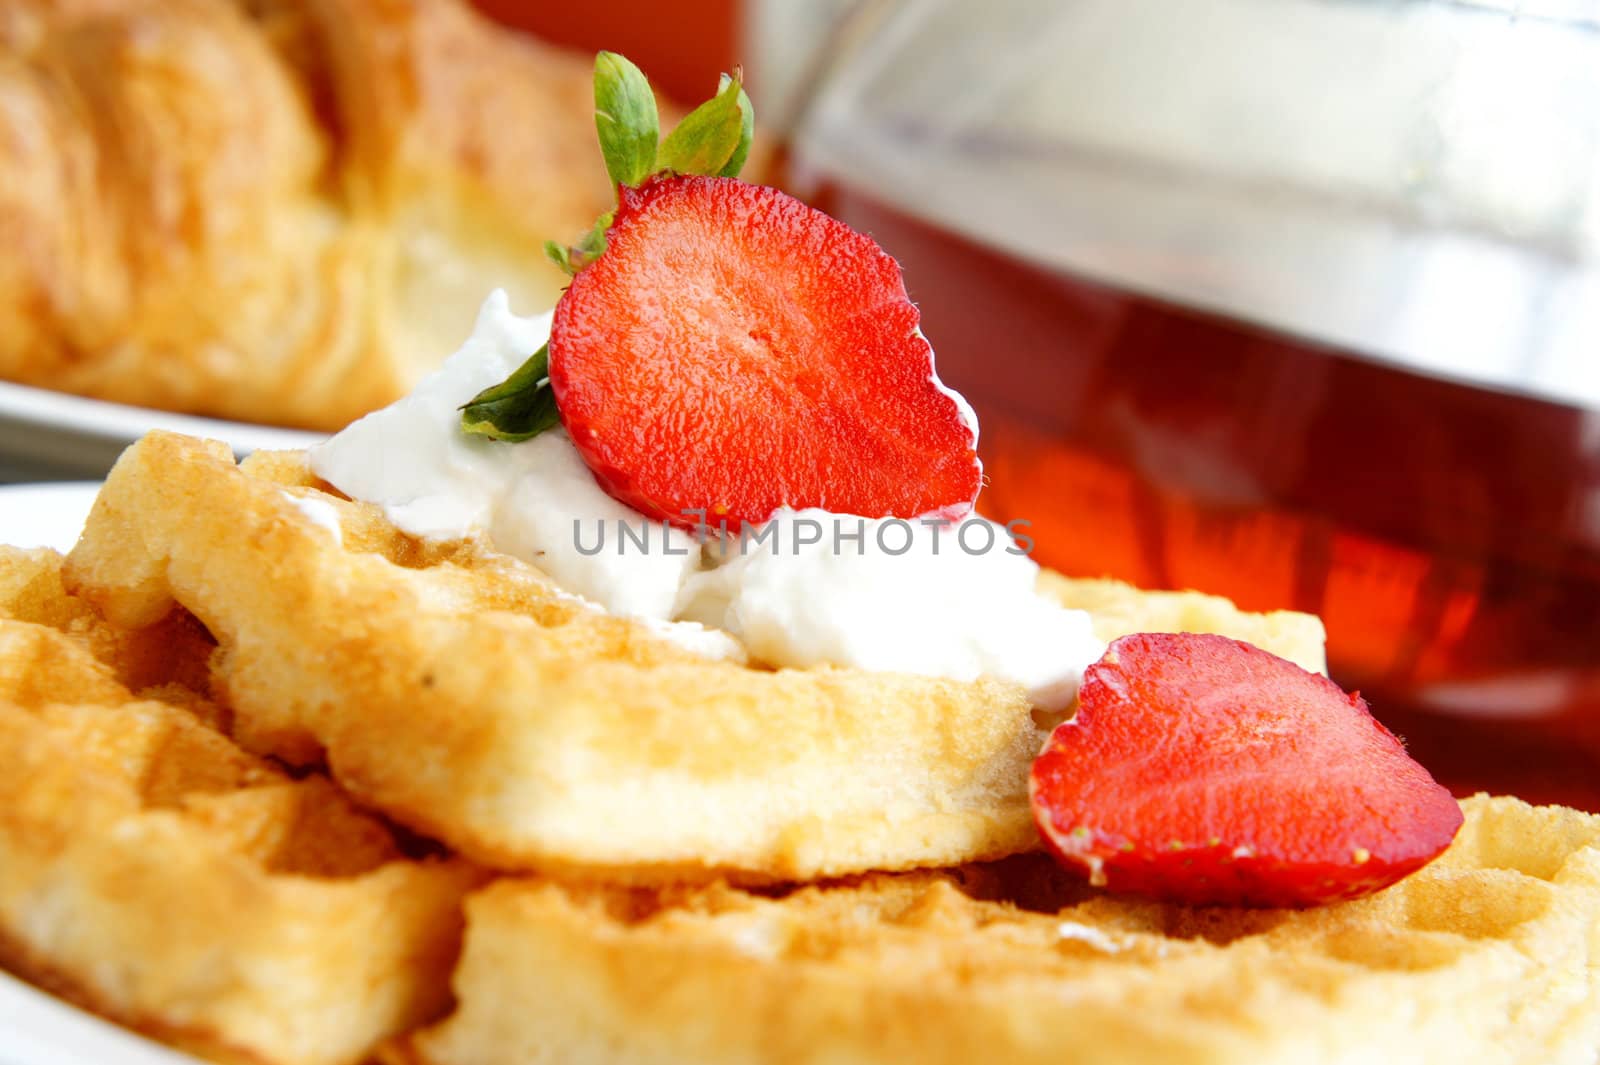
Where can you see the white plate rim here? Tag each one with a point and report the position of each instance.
(119, 422)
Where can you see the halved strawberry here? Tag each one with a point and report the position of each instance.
(1204, 770)
(737, 351)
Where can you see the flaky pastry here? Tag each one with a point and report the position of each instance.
(281, 211)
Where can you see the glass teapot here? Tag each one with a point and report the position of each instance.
(1297, 301)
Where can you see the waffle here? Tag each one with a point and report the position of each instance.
(462, 693)
(154, 872)
(1492, 954)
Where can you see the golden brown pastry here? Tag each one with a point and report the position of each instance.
(155, 872)
(463, 694)
(281, 211)
(1486, 956)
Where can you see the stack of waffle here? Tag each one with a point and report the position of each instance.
(263, 758)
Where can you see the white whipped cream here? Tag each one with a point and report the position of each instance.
(433, 480)
(941, 599)
(320, 513)
(908, 596)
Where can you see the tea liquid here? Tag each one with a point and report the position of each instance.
(1448, 535)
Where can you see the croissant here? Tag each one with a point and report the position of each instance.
(280, 211)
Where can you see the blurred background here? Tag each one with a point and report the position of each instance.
(1295, 301)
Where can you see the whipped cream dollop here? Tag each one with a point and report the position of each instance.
(944, 599)
(807, 588)
(432, 480)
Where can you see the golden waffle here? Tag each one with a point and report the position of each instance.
(155, 872)
(459, 691)
(1491, 954)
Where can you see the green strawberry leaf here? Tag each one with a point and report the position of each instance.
(593, 243)
(518, 408)
(625, 118)
(747, 130)
(561, 255)
(711, 136)
(590, 247)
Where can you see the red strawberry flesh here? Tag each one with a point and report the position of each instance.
(1199, 769)
(738, 351)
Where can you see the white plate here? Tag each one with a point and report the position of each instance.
(54, 436)
(44, 515)
(36, 1028)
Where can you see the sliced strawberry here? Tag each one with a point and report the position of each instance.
(738, 351)
(1204, 770)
